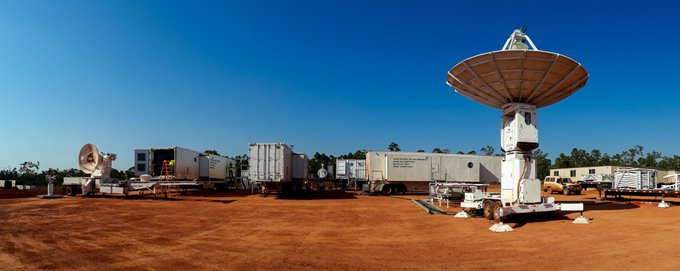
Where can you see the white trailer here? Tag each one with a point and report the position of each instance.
(400, 172)
(300, 167)
(150, 161)
(275, 165)
(270, 162)
(214, 167)
(350, 169)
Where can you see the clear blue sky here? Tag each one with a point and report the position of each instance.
(324, 76)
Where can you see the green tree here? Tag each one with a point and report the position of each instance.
(605, 160)
(130, 172)
(542, 163)
(579, 158)
(420, 151)
(320, 159)
(650, 159)
(487, 150)
(472, 152)
(359, 154)
(213, 152)
(437, 150)
(562, 161)
(669, 163)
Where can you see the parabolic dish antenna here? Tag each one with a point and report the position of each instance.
(517, 74)
(89, 158)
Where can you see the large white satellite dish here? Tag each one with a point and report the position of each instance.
(517, 74)
(518, 79)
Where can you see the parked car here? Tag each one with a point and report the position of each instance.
(565, 185)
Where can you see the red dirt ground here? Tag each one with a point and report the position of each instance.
(328, 231)
(15, 193)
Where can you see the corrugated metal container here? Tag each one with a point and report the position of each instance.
(300, 166)
(426, 167)
(270, 162)
(634, 178)
(213, 166)
(150, 161)
(354, 169)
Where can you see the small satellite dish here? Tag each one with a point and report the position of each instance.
(89, 158)
(93, 162)
(323, 173)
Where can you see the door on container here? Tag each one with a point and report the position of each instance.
(436, 166)
(360, 170)
(142, 162)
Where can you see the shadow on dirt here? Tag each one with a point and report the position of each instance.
(160, 198)
(608, 206)
(318, 195)
(219, 194)
(521, 220)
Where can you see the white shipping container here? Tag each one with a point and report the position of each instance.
(150, 161)
(300, 166)
(426, 167)
(354, 169)
(213, 166)
(270, 162)
(634, 178)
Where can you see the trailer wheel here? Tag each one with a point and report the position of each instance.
(402, 189)
(68, 190)
(548, 190)
(386, 190)
(497, 205)
(487, 209)
(566, 191)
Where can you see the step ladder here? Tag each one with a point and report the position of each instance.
(167, 188)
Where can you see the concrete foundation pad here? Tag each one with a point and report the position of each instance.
(500, 227)
(462, 214)
(581, 220)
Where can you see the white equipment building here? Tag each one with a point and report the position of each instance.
(351, 171)
(518, 80)
(400, 172)
(276, 166)
(189, 168)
